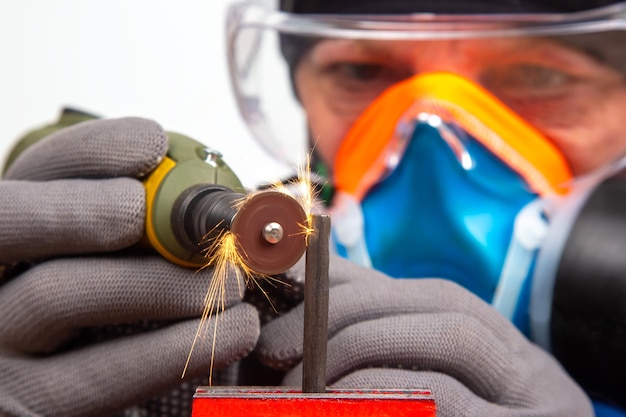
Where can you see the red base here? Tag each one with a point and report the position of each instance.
(273, 402)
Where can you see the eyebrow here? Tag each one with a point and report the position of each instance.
(366, 45)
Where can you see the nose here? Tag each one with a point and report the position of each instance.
(461, 57)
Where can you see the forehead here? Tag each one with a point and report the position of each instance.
(478, 48)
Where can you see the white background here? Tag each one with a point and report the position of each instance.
(160, 59)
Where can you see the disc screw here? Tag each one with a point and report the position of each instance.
(273, 232)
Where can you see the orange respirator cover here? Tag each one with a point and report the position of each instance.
(361, 160)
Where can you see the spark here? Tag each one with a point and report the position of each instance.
(223, 255)
(227, 263)
(303, 191)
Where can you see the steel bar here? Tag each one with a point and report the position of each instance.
(316, 307)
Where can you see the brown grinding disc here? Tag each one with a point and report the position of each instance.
(248, 224)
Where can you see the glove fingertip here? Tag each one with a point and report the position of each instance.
(225, 339)
(101, 148)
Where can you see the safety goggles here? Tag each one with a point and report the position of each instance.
(545, 67)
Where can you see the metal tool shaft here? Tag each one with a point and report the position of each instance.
(316, 307)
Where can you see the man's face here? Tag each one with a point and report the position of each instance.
(571, 97)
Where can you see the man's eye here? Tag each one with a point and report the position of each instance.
(539, 77)
(363, 72)
(526, 78)
(358, 72)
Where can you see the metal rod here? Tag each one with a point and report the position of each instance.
(316, 307)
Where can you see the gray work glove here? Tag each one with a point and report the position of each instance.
(93, 334)
(426, 333)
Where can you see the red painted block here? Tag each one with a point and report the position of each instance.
(277, 402)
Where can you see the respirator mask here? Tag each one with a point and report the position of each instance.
(455, 192)
(441, 175)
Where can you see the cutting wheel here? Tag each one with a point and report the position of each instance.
(248, 225)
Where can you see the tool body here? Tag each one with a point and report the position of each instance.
(193, 197)
(188, 166)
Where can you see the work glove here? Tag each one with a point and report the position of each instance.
(425, 333)
(86, 328)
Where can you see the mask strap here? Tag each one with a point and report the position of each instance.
(348, 228)
(529, 232)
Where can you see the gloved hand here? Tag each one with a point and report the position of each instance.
(426, 333)
(77, 192)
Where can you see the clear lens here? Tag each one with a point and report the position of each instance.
(262, 82)
(552, 70)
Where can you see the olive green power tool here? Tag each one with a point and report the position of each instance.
(193, 197)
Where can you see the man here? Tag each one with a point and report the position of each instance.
(473, 142)
(71, 279)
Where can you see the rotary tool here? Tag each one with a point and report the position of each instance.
(192, 197)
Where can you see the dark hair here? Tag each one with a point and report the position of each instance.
(440, 6)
